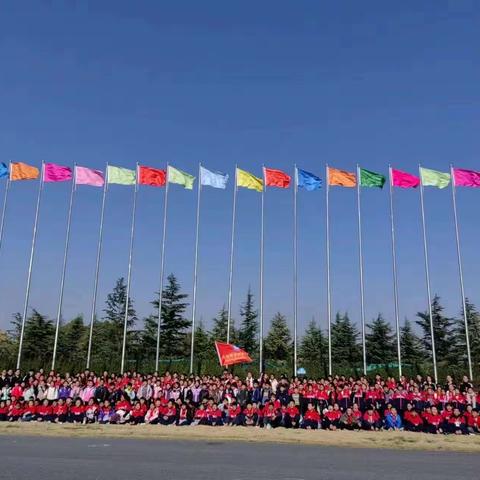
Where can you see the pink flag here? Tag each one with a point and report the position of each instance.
(56, 173)
(466, 178)
(88, 176)
(404, 179)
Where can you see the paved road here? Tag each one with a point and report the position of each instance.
(83, 458)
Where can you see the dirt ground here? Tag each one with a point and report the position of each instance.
(390, 440)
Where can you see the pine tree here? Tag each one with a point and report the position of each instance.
(220, 323)
(249, 326)
(314, 350)
(345, 349)
(115, 306)
(72, 344)
(410, 345)
(38, 340)
(278, 342)
(174, 324)
(441, 330)
(379, 341)
(203, 346)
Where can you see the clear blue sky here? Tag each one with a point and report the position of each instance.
(240, 82)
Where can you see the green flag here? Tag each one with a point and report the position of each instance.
(122, 176)
(371, 179)
(175, 175)
(433, 178)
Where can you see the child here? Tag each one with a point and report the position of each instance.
(151, 417)
(168, 414)
(250, 415)
(60, 411)
(44, 412)
(291, 416)
(371, 419)
(393, 421)
(77, 412)
(137, 415)
(349, 421)
(214, 416)
(413, 421)
(331, 418)
(311, 418)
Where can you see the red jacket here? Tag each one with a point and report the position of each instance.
(312, 415)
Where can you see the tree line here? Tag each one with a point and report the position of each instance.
(278, 344)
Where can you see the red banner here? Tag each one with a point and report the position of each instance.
(231, 354)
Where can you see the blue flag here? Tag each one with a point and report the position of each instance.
(213, 179)
(3, 170)
(308, 180)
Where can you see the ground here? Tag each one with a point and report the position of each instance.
(54, 458)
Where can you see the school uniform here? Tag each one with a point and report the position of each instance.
(76, 414)
(168, 415)
(311, 419)
(44, 413)
(433, 423)
(413, 423)
(250, 417)
(60, 413)
(331, 418)
(457, 424)
(291, 417)
(371, 421)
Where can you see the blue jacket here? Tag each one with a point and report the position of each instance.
(391, 422)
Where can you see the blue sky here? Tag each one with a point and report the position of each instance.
(240, 82)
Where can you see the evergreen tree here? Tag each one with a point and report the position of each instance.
(203, 346)
(174, 324)
(346, 352)
(115, 306)
(314, 350)
(459, 345)
(410, 346)
(278, 343)
(380, 342)
(72, 344)
(249, 326)
(220, 323)
(441, 330)
(38, 340)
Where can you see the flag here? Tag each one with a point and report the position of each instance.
(152, 176)
(88, 176)
(308, 180)
(371, 179)
(3, 170)
(229, 354)
(181, 178)
(22, 171)
(276, 178)
(121, 176)
(56, 173)
(433, 178)
(213, 179)
(404, 179)
(341, 178)
(247, 180)
(466, 178)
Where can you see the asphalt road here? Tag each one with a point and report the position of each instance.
(83, 458)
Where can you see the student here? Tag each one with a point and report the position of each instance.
(3, 411)
(137, 415)
(371, 419)
(331, 418)
(214, 416)
(393, 421)
(433, 421)
(151, 417)
(234, 415)
(184, 416)
(271, 416)
(29, 412)
(349, 421)
(60, 411)
(105, 412)
(250, 415)
(473, 423)
(201, 416)
(45, 412)
(91, 411)
(168, 414)
(77, 412)
(456, 423)
(413, 421)
(311, 419)
(291, 416)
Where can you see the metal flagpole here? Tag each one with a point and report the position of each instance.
(64, 268)
(97, 268)
(5, 200)
(30, 267)
(427, 279)
(230, 278)
(460, 272)
(360, 264)
(162, 268)
(129, 274)
(395, 282)
(329, 292)
(195, 268)
(295, 289)
(262, 234)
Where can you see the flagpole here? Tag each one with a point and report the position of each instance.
(262, 234)
(329, 292)
(129, 275)
(64, 267)
(460, 271)
(5, 200)
(195, 268)
(395, 280)
(295, 270)
(97, 267)
(30, 266)
(427, 279)
(230, 278)
(162, 268)
(360, 264)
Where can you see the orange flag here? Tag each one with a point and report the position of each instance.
(341, 178)
(22, 171)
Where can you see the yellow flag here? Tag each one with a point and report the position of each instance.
(247, 180)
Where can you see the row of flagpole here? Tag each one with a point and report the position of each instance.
(247, 180)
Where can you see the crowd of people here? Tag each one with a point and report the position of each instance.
(331, 403)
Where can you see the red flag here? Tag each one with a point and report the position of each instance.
(152, 176)
(276, 178)
(229, 354)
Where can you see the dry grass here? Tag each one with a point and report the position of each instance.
(390, 440)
